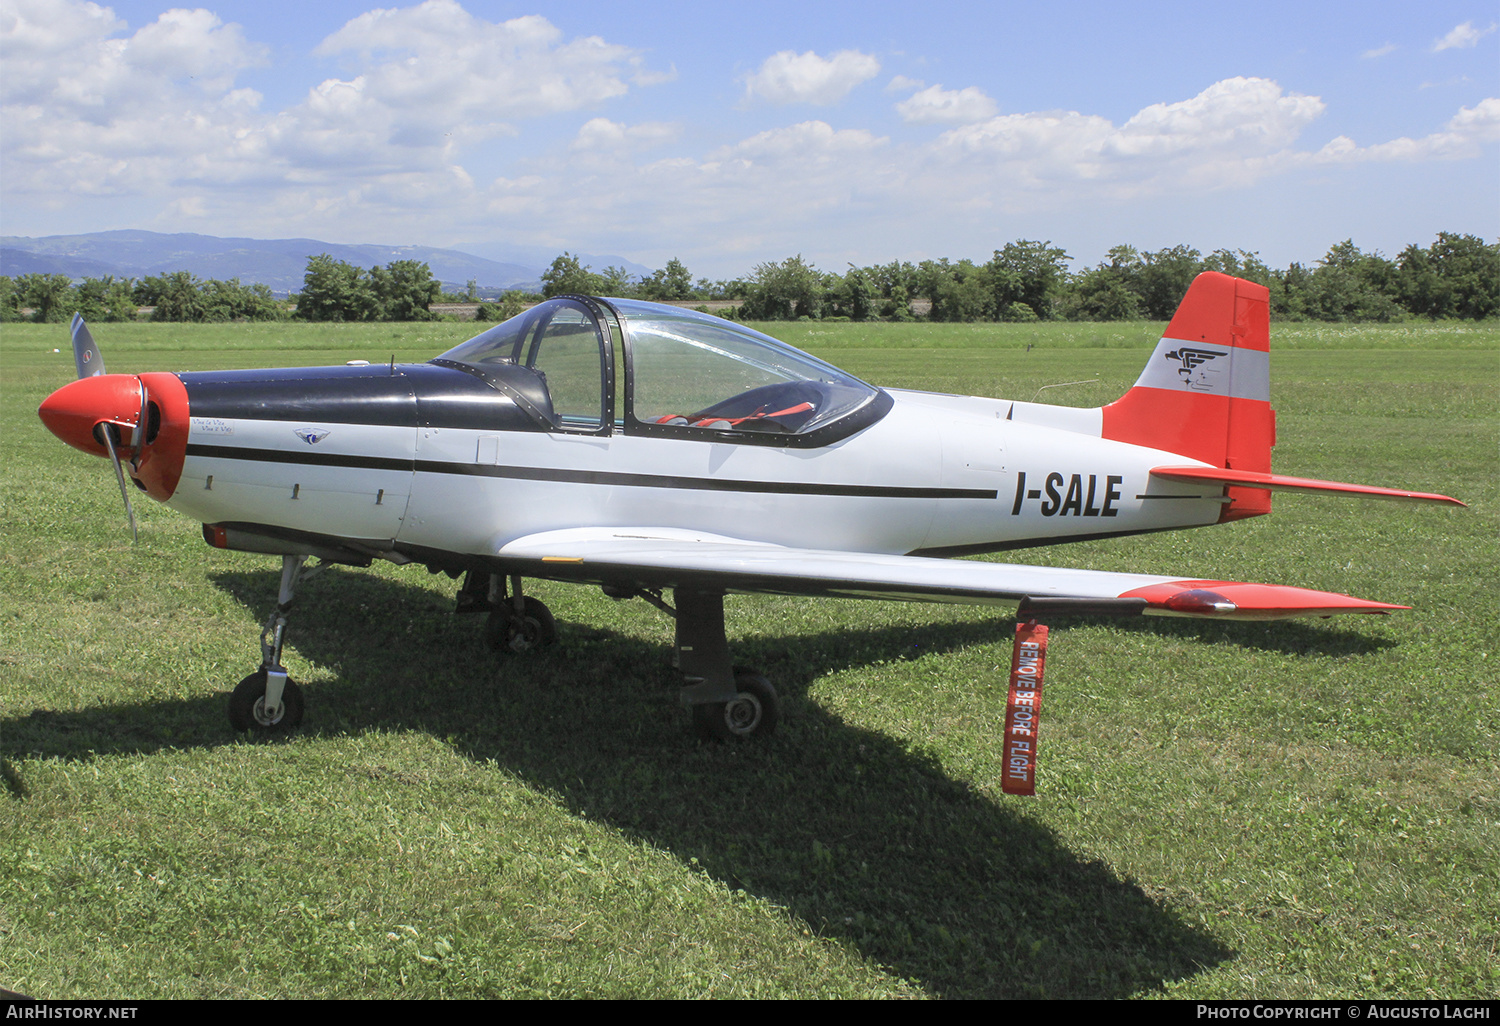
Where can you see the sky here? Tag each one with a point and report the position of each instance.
(727, 135)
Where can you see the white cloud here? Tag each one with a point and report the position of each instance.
(936, 105)
(65, 55)
(91, 108)
(90, 111)
(1223, 136)
(437, 60)
(788, 77)
(1462, 37)
(604, 135)
(790, 188)
(194, 45)
(1239, 115)
(1460, 138)
(810, 141)
(1379, 51)
(902, 84)
(39, 38)
(645, 77)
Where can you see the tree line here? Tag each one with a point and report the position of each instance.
(178, 296)
(1457, 277)
(332, 290)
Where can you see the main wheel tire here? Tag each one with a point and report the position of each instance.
(247, 706)
(754, 712)
(534, 628)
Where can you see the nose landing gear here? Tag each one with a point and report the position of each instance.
(250, 706)
(268, 701)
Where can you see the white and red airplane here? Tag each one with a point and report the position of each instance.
(642, 448)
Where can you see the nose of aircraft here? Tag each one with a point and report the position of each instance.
(73, 411)
(157, 447)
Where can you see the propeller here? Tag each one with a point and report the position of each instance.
(85, 353)
(90, 363)
(104, 430)
(138, 436)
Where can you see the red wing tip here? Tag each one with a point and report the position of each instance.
(1234, 600)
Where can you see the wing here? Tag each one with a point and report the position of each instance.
(669, 558)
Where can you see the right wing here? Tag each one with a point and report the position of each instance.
(671, 558)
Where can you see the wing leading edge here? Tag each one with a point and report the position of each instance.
(670, 558)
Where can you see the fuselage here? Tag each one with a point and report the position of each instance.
(584, 413)
(431, 458)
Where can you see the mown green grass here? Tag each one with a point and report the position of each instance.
(1225, 810)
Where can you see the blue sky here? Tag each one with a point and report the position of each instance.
(731, 134)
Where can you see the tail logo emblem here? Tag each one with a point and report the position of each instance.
(311, 436)
(1191, 359)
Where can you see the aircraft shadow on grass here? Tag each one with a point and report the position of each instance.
(823, 811)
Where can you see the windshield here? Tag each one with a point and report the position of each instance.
(690, 375)
(693, 370)
(552, 356)
(508, 342)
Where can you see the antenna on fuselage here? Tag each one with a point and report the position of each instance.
(1062, 384)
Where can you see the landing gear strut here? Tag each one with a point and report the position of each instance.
(726, 702)
(268, 701)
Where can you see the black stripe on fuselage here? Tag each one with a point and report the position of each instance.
(604, 477)
(592, 477)
(299, 458)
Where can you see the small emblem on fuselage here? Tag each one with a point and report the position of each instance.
(312, 436)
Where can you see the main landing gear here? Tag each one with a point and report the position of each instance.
(726, 701)
(268, 701)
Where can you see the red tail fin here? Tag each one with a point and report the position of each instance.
(1206, 391)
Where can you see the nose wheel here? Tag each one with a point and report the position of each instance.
(268, 701)
(249, 710)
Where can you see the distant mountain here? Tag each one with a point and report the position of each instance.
(541, 256)
(279, 263)
(16, 262)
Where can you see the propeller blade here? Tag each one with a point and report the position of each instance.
(85, 353)
(114, 457)
(138, 440)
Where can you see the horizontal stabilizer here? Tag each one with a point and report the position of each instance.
(1280, 482)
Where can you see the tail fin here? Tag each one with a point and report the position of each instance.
(1206, 391)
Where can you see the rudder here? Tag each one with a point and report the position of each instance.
(1206, 391)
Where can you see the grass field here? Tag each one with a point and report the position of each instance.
(1289, 810)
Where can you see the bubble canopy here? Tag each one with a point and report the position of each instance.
(686, 374)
